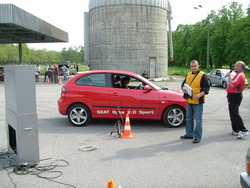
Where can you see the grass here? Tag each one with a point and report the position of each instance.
(181, 71)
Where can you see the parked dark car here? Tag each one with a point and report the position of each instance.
(2, 73)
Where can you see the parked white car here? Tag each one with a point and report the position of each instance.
(218, 77)
(71, 70)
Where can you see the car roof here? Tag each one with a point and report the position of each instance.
(223, 69)
(109, 71)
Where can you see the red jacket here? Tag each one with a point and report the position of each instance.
(238, 83)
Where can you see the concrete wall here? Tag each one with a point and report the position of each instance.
(127, 36)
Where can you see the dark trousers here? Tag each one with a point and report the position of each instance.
(56, 78)
(45, 75)
(50, 77)
(234, 101)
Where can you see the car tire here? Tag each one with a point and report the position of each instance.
(224, 85)
(79, 115)
(174, 116)
(209, 82)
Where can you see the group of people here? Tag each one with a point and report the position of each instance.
(198, 82)
(51, 73)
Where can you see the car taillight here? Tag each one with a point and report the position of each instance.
(248, 162)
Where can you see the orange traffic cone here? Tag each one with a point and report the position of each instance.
(60, 82)
(127, 129)
(48, 81)
(111, 184)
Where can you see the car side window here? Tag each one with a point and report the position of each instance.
(218, 73)
(116, 79)
(214, 73)
(98, 79)
(126, 82)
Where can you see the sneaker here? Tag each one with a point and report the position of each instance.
(242, 134)
(196, 141)
(186, 137)
(233, 133)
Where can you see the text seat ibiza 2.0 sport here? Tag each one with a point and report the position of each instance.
(100, 93)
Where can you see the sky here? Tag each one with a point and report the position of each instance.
(68, 15)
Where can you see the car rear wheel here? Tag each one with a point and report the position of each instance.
(224, 85)
(79, 115)
(174, 116)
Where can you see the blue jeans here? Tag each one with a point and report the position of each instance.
(194, 111)
(65, 76)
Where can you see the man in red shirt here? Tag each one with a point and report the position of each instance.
(234, 96)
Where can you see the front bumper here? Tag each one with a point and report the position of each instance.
(244, 180)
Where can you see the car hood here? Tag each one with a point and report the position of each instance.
(175, 91)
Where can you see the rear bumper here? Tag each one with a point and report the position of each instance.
(61, 107)
(244, 180)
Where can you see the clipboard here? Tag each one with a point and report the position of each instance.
(188, 89)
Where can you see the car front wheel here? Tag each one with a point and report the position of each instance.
(224, 85)
(174, 116)
(209, 82)
(79, 115)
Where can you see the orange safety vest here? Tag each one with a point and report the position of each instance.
(195, 84)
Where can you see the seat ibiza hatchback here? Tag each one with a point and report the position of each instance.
(101, 93)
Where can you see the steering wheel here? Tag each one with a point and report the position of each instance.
(139, 87)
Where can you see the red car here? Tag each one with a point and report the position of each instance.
(99, 94)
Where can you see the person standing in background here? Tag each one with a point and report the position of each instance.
(77, 68)
(37, 72)
(235, 89)
(50, 74)
(46, 71)
(56, 73)
(145, 74)
(64, 71)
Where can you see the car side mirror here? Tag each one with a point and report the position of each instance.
(147, 87)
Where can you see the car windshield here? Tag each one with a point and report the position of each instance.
(224, 72)
(153, 84)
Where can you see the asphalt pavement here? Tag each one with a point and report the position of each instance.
(87, 157)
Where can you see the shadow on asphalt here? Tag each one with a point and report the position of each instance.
(100, 125)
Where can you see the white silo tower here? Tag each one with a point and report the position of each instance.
(127, 35)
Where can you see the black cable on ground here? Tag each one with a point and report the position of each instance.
(39, 170)
(34, 169)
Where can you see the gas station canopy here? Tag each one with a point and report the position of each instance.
(19, 26)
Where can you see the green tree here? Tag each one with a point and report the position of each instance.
(229, 31)
(3, 56)
(25, 53)
(73, 54)
(12, 54)
(219, 37)
(238, 46)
